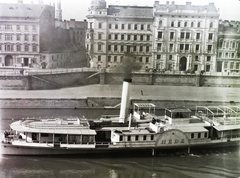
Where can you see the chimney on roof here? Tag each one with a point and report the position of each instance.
(188, 3)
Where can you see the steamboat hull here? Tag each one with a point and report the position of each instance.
(8, 149)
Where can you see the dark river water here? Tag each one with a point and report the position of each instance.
(214, 163)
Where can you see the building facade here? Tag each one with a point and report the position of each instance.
(116, 31)
(228, 58)
(34, 36)
(185, 36)
(162, 37)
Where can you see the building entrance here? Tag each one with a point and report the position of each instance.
(183, 64)
(8, 60)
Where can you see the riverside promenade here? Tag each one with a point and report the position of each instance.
(144, 92)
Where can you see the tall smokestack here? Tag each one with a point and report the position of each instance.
(125, 100)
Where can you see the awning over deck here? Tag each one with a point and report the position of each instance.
(226, 127)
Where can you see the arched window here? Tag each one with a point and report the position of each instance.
(185, 24)
(233, 45)
(211, 25)
(192, 24)
(172, 24)
(160, 23)
(179, 24)
(199, 24)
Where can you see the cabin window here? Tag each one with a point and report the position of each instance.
(199, 135)
(121, 138)
(136, 137)
(86, 139)
(205, 135)
(152, 137)
(192, 135)
(144, 137)
(129, 138)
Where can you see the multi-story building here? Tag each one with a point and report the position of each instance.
(185, 36)
(30, 37)
(165, 36)
(24, 31)
(228, 58)
(117, 30)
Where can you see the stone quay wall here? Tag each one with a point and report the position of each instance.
(55, 81)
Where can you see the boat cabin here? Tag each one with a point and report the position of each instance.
(142, 111)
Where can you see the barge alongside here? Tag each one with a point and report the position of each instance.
(141, 130)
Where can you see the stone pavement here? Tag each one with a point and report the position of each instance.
(145, 92)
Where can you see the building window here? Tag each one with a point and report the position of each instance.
(116, 36)
(135, 37)
(181, 46)
(148, 37)
(192, 135)
(26, 48)
(199, 24)
(18, 27)
(34, 27)
(144, 137)
(122, 48)
(179, 24)
(18, 37)
(171, 47)
(141, 48)
(110, 26)
(187, 46)
(135, 48)
(109, 36)
(109, 47)
(100, 25)
(109, 58)
(140, 59)
(123, 26)
(115, 58)
(233, 55)
(159, 46)
(197, 47)
(147, 59)
(9, 47)
(136, 138)
(26, 37)
(192, 24)
(129, 138)
(198, 36)
(171, 35)
(211, 25)
(152, 137)
(141, 37)
(170, 57)
(208, 58)
(159, 56)
(147, 48)
(99, 47)
(210, 36)
(115, 47)
(129, 37)
(129, 26)
(34, 48)
(8, 37)
(99, 36)
(185, 24)
(8, 27)
(34, 37)
(99, 59)
(135, 26)
(116, 26)
(18, 47)
(25, 27)
(122, 37)
(142, 27)
(209, 47)
(159, 35)
(182, 35)
(196, 58)
(172, 24)
(207, 68)
(187, 35)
